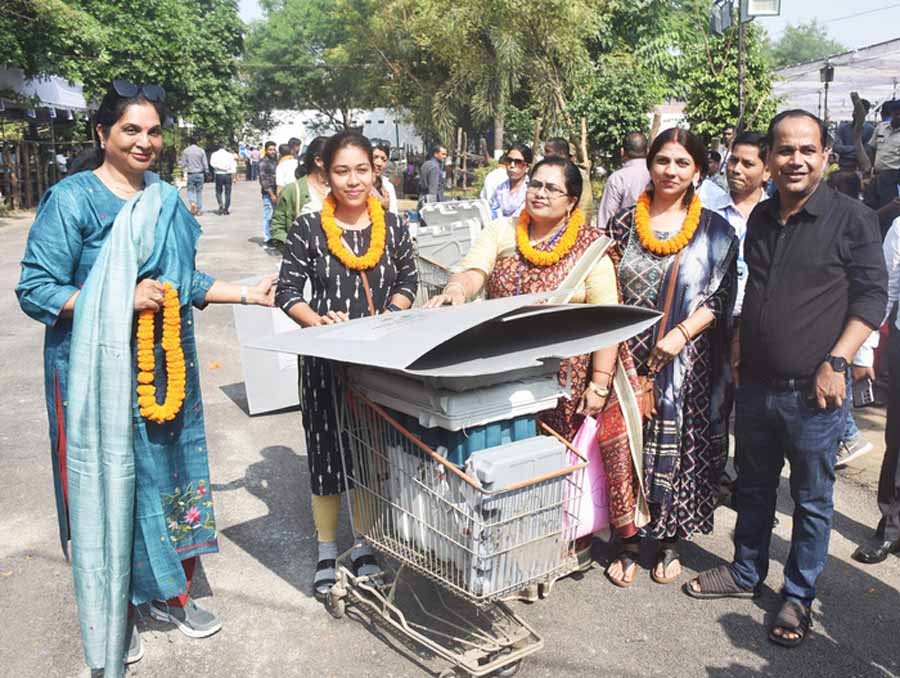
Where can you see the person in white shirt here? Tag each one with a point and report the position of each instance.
(225, 167)
(886, 539)
(493, 179)
(285, 172)
(383, 189)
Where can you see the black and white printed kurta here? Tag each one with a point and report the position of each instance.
(336, 288)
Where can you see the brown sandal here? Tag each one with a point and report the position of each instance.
(627, 556)
(665, 557)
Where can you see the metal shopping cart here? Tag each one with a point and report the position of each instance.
(473, 546)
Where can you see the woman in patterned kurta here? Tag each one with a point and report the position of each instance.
(173, 518)
(496, 264)
(339, 294)
(685, 442)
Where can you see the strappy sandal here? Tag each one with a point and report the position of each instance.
(324, 577)
(665, 557)
(792, 618)
(718, 583)
(628, 557)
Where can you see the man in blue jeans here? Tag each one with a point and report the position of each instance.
(195, 165)
(267, 170)
(816, 289)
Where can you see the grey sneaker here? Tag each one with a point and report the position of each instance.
(135, 646)
(850, 450)
(192, 620)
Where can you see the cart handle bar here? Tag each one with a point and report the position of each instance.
(463, 476)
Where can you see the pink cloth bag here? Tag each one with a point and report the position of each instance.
(592, 510)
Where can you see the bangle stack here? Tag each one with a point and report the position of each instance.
(598, 390)
(687, 335)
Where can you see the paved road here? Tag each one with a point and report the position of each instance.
(259, 581)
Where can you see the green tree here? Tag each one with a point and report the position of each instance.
(190, 47)
(804, 42)
(306, 55)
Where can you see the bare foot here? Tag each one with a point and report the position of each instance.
(620, 574)
(671, 572)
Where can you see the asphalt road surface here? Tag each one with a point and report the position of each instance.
(260, 581)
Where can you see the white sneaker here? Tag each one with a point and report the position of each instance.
(852, 450)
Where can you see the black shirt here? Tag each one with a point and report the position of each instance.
(805, 280)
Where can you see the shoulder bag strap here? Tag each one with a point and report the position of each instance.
(670, 291)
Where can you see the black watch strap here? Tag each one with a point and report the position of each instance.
(837, 363)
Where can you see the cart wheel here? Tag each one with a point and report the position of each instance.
(448, 673)
(544, 590)
(335, 606)
(510, 670)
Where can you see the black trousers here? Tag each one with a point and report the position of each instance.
(889, 481)
(223, 182)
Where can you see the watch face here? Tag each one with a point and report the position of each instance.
(838, 364)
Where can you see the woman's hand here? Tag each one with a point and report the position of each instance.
(333, 317)
(453, 295)
(263, 292)
(148, 295)
(665, 351)
(385, 199)
(591, 404)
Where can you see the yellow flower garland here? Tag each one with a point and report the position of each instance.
(566, 242)
(175, 369)
(333, 234)
(674, 244)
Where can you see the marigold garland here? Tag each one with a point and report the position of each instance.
(562, 247)
(674, 244)
(334, 233)
(175, 369)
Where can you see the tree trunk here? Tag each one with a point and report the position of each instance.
(499, 120)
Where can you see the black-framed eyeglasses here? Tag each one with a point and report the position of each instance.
(129, 90)
(552, 190)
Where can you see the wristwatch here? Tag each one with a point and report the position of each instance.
(393, 308)
(837, 363)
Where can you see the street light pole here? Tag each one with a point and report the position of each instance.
(740, 125)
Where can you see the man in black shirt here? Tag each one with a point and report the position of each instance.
(816, 289)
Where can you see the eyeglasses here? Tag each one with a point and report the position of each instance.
(552, 190)
(129, 90)
(516, 162)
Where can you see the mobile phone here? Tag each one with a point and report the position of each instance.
(863, 393)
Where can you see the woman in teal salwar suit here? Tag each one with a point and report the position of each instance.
(133, 496)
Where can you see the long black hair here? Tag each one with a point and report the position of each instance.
(314, 150)
(111, 109)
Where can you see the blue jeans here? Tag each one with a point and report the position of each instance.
(769, 427)
(851, 430)
(268, 209)
(195, 190)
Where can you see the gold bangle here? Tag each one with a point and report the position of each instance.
(599, 390)
(687, 335)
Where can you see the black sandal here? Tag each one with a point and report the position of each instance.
(627, 556)
(792, 618)
(718, 583)
(324, 577)
(666, 555)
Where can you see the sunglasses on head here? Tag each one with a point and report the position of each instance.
(129, 90)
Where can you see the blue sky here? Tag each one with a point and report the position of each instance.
(867, 28)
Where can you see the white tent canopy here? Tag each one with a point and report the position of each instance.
(872, 71)
(53, 91)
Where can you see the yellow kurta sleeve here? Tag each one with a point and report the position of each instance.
(601, 283)
(495, 238)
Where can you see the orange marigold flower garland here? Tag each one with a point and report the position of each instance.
(334, 233)
(674, 244)
(176, 373)
(562, 247)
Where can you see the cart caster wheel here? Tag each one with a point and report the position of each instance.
(448, 673)
(510, 670)
(544, 591)
(336, 606)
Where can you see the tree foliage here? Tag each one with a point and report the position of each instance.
(804, 42)
(190, 47)
(709, 75)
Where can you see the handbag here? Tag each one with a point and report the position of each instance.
(646, 391)
(592, 511)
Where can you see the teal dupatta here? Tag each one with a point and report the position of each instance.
(100, 450)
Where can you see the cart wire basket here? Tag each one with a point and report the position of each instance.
(433, 278)
(430, 517)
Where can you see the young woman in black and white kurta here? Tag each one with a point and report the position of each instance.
(336, 288)
(335, 272)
